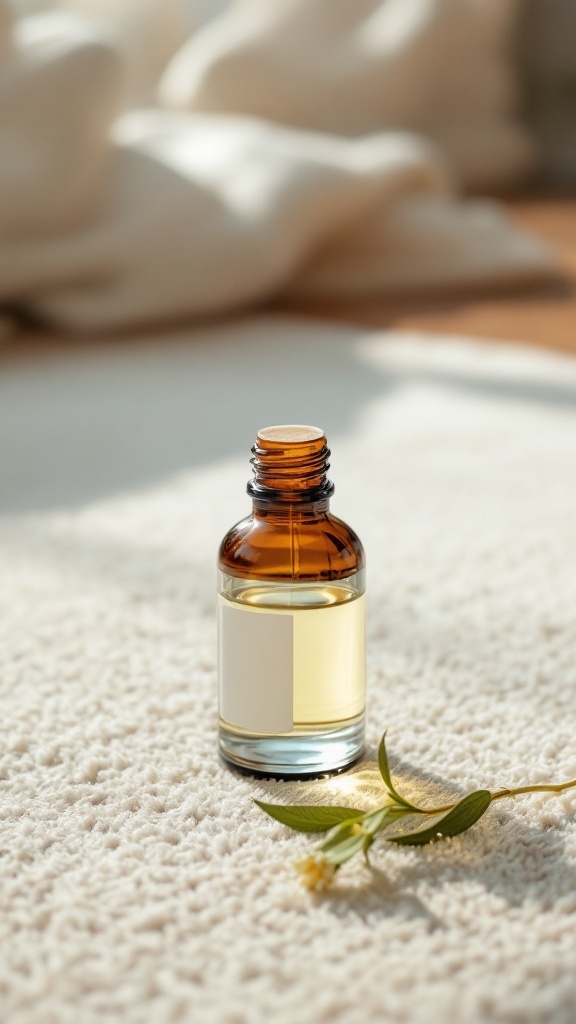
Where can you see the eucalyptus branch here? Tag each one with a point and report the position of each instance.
(350, 831)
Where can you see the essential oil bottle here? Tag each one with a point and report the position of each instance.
(291, 583)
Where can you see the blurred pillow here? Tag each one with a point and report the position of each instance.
(60, 89)
(437, 67)
(149, 31)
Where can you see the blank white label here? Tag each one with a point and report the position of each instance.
(256, 653)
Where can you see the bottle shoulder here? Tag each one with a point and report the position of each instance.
(304, 547)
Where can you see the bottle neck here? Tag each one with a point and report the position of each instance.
(290, 511)
(290, 466)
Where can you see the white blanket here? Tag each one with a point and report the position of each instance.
(140, 884)
(110, 220)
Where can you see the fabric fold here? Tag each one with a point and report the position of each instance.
(111, 220)
(441, 68)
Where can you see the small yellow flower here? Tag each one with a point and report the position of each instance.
(316, 872)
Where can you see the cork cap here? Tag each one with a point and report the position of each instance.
(290, 433)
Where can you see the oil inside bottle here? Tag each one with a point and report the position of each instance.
(306, 707)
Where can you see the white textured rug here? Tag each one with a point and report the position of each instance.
(139, 882)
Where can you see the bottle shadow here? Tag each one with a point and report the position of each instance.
(112, 416)
(89, 424)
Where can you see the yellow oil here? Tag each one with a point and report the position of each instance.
(329, 656)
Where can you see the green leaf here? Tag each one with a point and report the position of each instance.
(349, 837)
(375, 821)
(337, 834)
(385, 773)
(348, 847)
(311, 818)
(368, 840)
(461, 817)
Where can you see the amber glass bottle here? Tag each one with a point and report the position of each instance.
(292, 677)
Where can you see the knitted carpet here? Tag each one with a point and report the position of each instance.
(139, 881)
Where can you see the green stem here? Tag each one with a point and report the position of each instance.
(503, 793)
(551, 788)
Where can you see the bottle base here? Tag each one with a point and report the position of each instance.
(298, 754)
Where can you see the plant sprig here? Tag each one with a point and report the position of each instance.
(350, 831)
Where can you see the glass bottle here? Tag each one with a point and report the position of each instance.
(291, 583)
